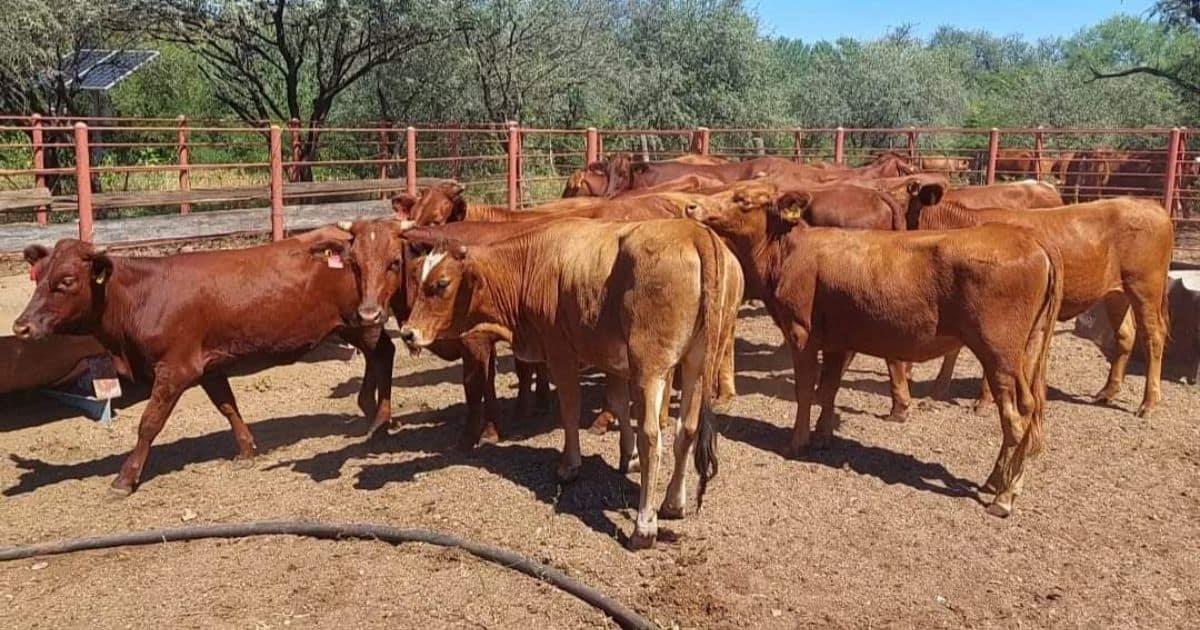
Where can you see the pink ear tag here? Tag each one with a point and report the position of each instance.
(32, 273)
(334, 260)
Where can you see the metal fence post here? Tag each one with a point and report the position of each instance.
(276, 183)
(83, 181)
(39, 163)
(410, 160)
(798, 143)
(514, 165)
(1169, 185)
(184, 176)
(839, 146)
(591, 149)
(1039, 145)
(294, 132)
(912, 143)
(703, 140)
(993, 149)
(385, 150)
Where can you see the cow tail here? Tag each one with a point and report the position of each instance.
(1043, 329)
(712, 297)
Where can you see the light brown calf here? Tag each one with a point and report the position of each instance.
(634, 299)
(905, 297)
(1115, 250)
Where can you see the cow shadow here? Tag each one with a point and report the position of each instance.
(842, 452)
(175, 456)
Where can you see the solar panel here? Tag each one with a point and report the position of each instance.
(101, 70)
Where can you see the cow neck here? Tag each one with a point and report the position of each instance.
(123, 293)
(948, 215)
(489, 214)
(501, 270)
(760, 254)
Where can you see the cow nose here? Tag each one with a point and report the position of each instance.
(407, 335)
(370, 314)
(22, 331)
(692, 210)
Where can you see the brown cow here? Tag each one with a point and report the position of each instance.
(188, 319)
(635, 299)
(1115, 250)
(906, 297)
(944, 164)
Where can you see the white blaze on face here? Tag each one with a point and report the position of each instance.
(431, 261)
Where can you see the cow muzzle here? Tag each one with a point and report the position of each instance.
(413, 337)
(371, 314)
(25, 331)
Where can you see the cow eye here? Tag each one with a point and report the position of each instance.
(65, 284)
(443, 282)
(395, 265)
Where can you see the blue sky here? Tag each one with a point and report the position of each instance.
(812, 20)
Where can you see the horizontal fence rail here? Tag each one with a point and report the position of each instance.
(92, 171)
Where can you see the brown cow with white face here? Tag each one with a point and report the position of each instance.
(188, 319)
(905, 297)
(634, 299)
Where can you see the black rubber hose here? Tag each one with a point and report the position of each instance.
(625, 617)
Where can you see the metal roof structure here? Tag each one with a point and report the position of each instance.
(101, 70)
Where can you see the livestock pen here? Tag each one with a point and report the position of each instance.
(128, 176)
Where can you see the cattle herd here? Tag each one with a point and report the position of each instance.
(639, 273)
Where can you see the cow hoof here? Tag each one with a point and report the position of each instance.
(1145, 412)
(980, 408)
(670, 513)
(566, 475)
(821, 442)
(722, 403)
(119, 490)
(641, 541)
(601, 424)
(797, 451)
(998, 510)
(243, 462)
(490, 435)
(898, 417)
(1104, 397)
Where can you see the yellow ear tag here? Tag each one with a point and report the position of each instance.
(102, 277)
(791, 215)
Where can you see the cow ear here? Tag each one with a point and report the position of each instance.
(34, 253)
(931, 194)
(913, 187)
(792, 206)
(325, 248)
(101, 266)
(402, 205)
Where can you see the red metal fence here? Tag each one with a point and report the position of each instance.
(114, 164)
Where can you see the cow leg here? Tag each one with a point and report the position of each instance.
(941, 385)
(168, 387)
(901, 398)
(691, 398)
(616, 394)
(726, 376)
(985, 398)
(379, 365)
(1008, 477)
(804, 366)
(367, 391)
(1117, 308)
(652, 388)
(474, 364)
(1147, 304)
(564, 371)
(833, 365)
(525, 378)
(216, 385)
(543, 385)
(491, 408)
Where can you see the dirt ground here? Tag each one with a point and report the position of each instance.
(884, 529)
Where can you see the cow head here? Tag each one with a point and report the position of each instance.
(745, 210)
(589, 182)
(375, 251)
(437, 205)
(620, 174)
(921, 195)
(69, 296)
(441, 296)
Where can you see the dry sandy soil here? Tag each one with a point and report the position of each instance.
(884, 529)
